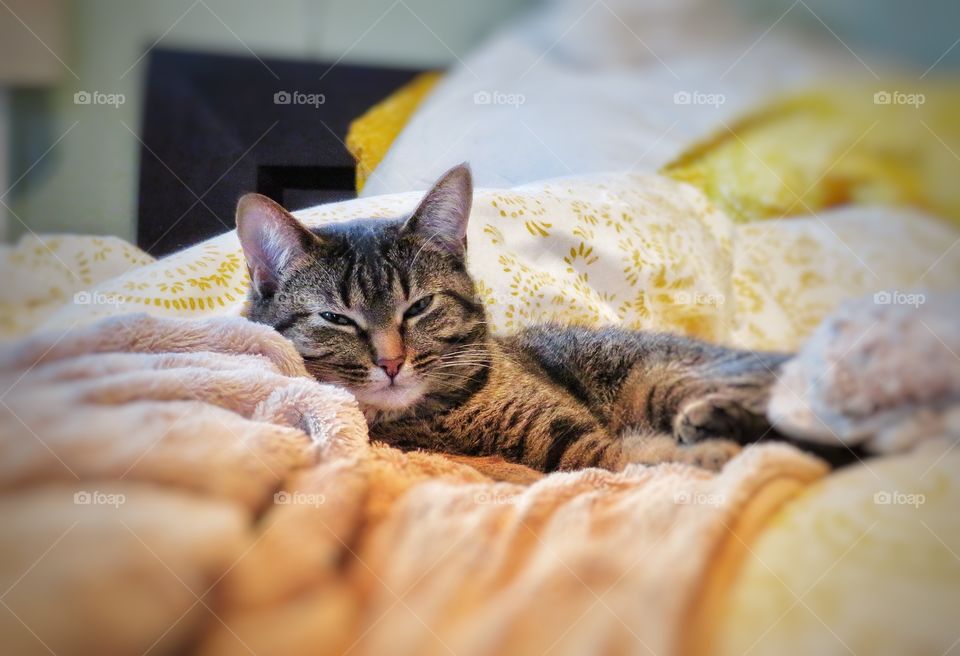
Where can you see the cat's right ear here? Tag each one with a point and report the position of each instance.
(443, 213)
(272, 240)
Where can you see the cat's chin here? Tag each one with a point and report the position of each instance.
(390, 398)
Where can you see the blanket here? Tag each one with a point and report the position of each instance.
(181, 486)
(173, 486)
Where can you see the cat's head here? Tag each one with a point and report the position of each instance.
(383, 307)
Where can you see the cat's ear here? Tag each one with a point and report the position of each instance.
(271, 238)
(443, 213)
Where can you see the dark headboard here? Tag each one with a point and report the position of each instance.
(217, 126)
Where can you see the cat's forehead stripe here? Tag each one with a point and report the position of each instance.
(346, 280)
(370, 277)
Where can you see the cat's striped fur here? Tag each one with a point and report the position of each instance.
(387, 309)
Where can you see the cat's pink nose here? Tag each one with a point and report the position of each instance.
(390, 365)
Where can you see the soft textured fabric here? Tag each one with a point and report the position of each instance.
(864, 562)
(625, 249)
(882, 372)
(142, 399)
(185, 487)
(179, 486)
(46, 272)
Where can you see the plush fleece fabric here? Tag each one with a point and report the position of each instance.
(180, 486)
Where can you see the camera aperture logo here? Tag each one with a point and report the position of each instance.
(494, 498)
(98, 498)
(898, 498)
(299, 98)
(295, 298)
(699, 98)
(98, 298)
(899, 98)
(699, 298)
(894, 297)
(284, 498)
(99, 98)
(688, 498)
(484, 97)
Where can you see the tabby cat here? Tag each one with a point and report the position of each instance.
(387, 309)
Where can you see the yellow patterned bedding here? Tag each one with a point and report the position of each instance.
(828, 148)
(637, 250)
(50, 270)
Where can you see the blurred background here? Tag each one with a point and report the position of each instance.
(67, 168)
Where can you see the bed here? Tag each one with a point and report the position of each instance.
(173, 482)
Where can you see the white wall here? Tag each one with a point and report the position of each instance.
(5, 180)
(87, 183)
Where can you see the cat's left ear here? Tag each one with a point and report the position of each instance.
(443, 213)
(272, 240)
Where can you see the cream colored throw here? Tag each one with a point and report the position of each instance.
(173, 486)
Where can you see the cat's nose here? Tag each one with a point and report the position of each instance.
(391, 366)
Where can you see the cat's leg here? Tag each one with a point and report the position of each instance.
(599, 448)
(658, 382)
(733, 413)
(524, 419)
(542, 427)
(537, 424)
(723, 397)
(658, 448)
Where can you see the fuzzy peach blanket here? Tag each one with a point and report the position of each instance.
(175, 486)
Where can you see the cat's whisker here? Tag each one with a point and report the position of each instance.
(454, 378)
(464, 366)
(466, 359)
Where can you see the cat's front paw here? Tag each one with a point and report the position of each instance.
(709, 454)
(732, 416)
(659, 449)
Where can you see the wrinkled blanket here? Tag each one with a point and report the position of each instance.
(173, 486)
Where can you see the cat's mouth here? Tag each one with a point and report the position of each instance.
(391, 395)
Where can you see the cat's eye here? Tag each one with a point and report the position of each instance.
(337, 319)
(419, 307)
